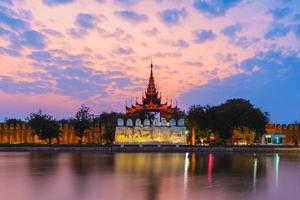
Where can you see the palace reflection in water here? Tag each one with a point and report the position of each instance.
(44, 175)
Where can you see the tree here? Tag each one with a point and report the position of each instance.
(201, 118)
(223, 119)
(178, 114)
(44, 126)
(193, 120)
(109, 120)
(240, 113)
(82, 121)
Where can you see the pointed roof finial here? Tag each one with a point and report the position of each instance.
(151, 66)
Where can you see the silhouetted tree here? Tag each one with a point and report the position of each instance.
(109, 120)
(178, 114)
(82, 121)
(240, 113)
(234, 113)
(200, 117)
(44, 126)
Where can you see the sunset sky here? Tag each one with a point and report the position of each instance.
(59, 54)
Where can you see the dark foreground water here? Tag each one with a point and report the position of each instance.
(91, 176)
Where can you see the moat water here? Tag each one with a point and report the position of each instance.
(94, 176)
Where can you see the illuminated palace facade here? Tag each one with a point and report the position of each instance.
(151, 102)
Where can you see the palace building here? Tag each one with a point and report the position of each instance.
(165, 130)
(151, 102)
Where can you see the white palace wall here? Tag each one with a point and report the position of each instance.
(157, 132)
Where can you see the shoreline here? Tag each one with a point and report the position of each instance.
(149, 148)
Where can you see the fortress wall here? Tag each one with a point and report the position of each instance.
(291, 131)
(23, 134)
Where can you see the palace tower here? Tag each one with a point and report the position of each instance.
(151, 102)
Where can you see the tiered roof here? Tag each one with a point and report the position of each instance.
(152, 101)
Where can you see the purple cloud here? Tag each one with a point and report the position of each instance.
(231, 30)
(204, 35)
(276, 31)
(280, 13)
(214, 8)
(86, 21)
(31, 39)
(57, 2)
(123, 51)
(127, 2)
(10, 52)
(176, 43)
(7, 18)
(152, 32)
(172, 16)
(77, 33)
(9, 2)
(131, 16)
(297, 31)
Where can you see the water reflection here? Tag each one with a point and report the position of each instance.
(42, 163)
(47, 176)
(254, 174)
(185, 174)
(210, 167)
(276, 159)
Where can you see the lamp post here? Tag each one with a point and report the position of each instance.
(193, 136)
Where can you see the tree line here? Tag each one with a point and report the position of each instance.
(46, 127)
(224, 118)
(204, 119)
